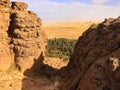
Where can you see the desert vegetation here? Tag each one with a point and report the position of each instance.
(94, 61)
(60, 48)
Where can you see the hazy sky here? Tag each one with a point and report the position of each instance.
(51, 11)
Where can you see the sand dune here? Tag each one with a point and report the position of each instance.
(66, 30)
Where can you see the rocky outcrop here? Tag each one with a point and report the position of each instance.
(5, 56)
(21, 36)
(28, 38)
(95, 62)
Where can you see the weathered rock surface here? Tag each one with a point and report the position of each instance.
(95, 63)
(28, 38)
(5, 56)
(5, 3)
(21, 36)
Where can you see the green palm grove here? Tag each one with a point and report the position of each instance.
(60, 48)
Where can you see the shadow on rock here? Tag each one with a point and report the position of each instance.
(41, 77)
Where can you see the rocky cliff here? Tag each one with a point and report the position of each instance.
(95, 62)
(5, 55)
(22, 40)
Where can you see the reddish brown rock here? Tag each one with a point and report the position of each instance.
(95, 62)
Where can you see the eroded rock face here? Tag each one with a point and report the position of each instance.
(21, 36)
(5, 3)
(95, 63)
(28, 38)
(19, 6)
(5, 56)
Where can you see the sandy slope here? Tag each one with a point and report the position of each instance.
(15, 80)
(66, 30)
(56, 63)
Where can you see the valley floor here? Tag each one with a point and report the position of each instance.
(15, 80)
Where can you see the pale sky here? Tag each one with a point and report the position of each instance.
(52, 11)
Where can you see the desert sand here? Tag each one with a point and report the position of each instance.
(66, 30)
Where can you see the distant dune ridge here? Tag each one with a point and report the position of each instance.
(66, 30)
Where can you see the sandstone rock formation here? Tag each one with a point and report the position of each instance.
(21, 36)
(28, 39)
(95, 63)
(5, 57)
